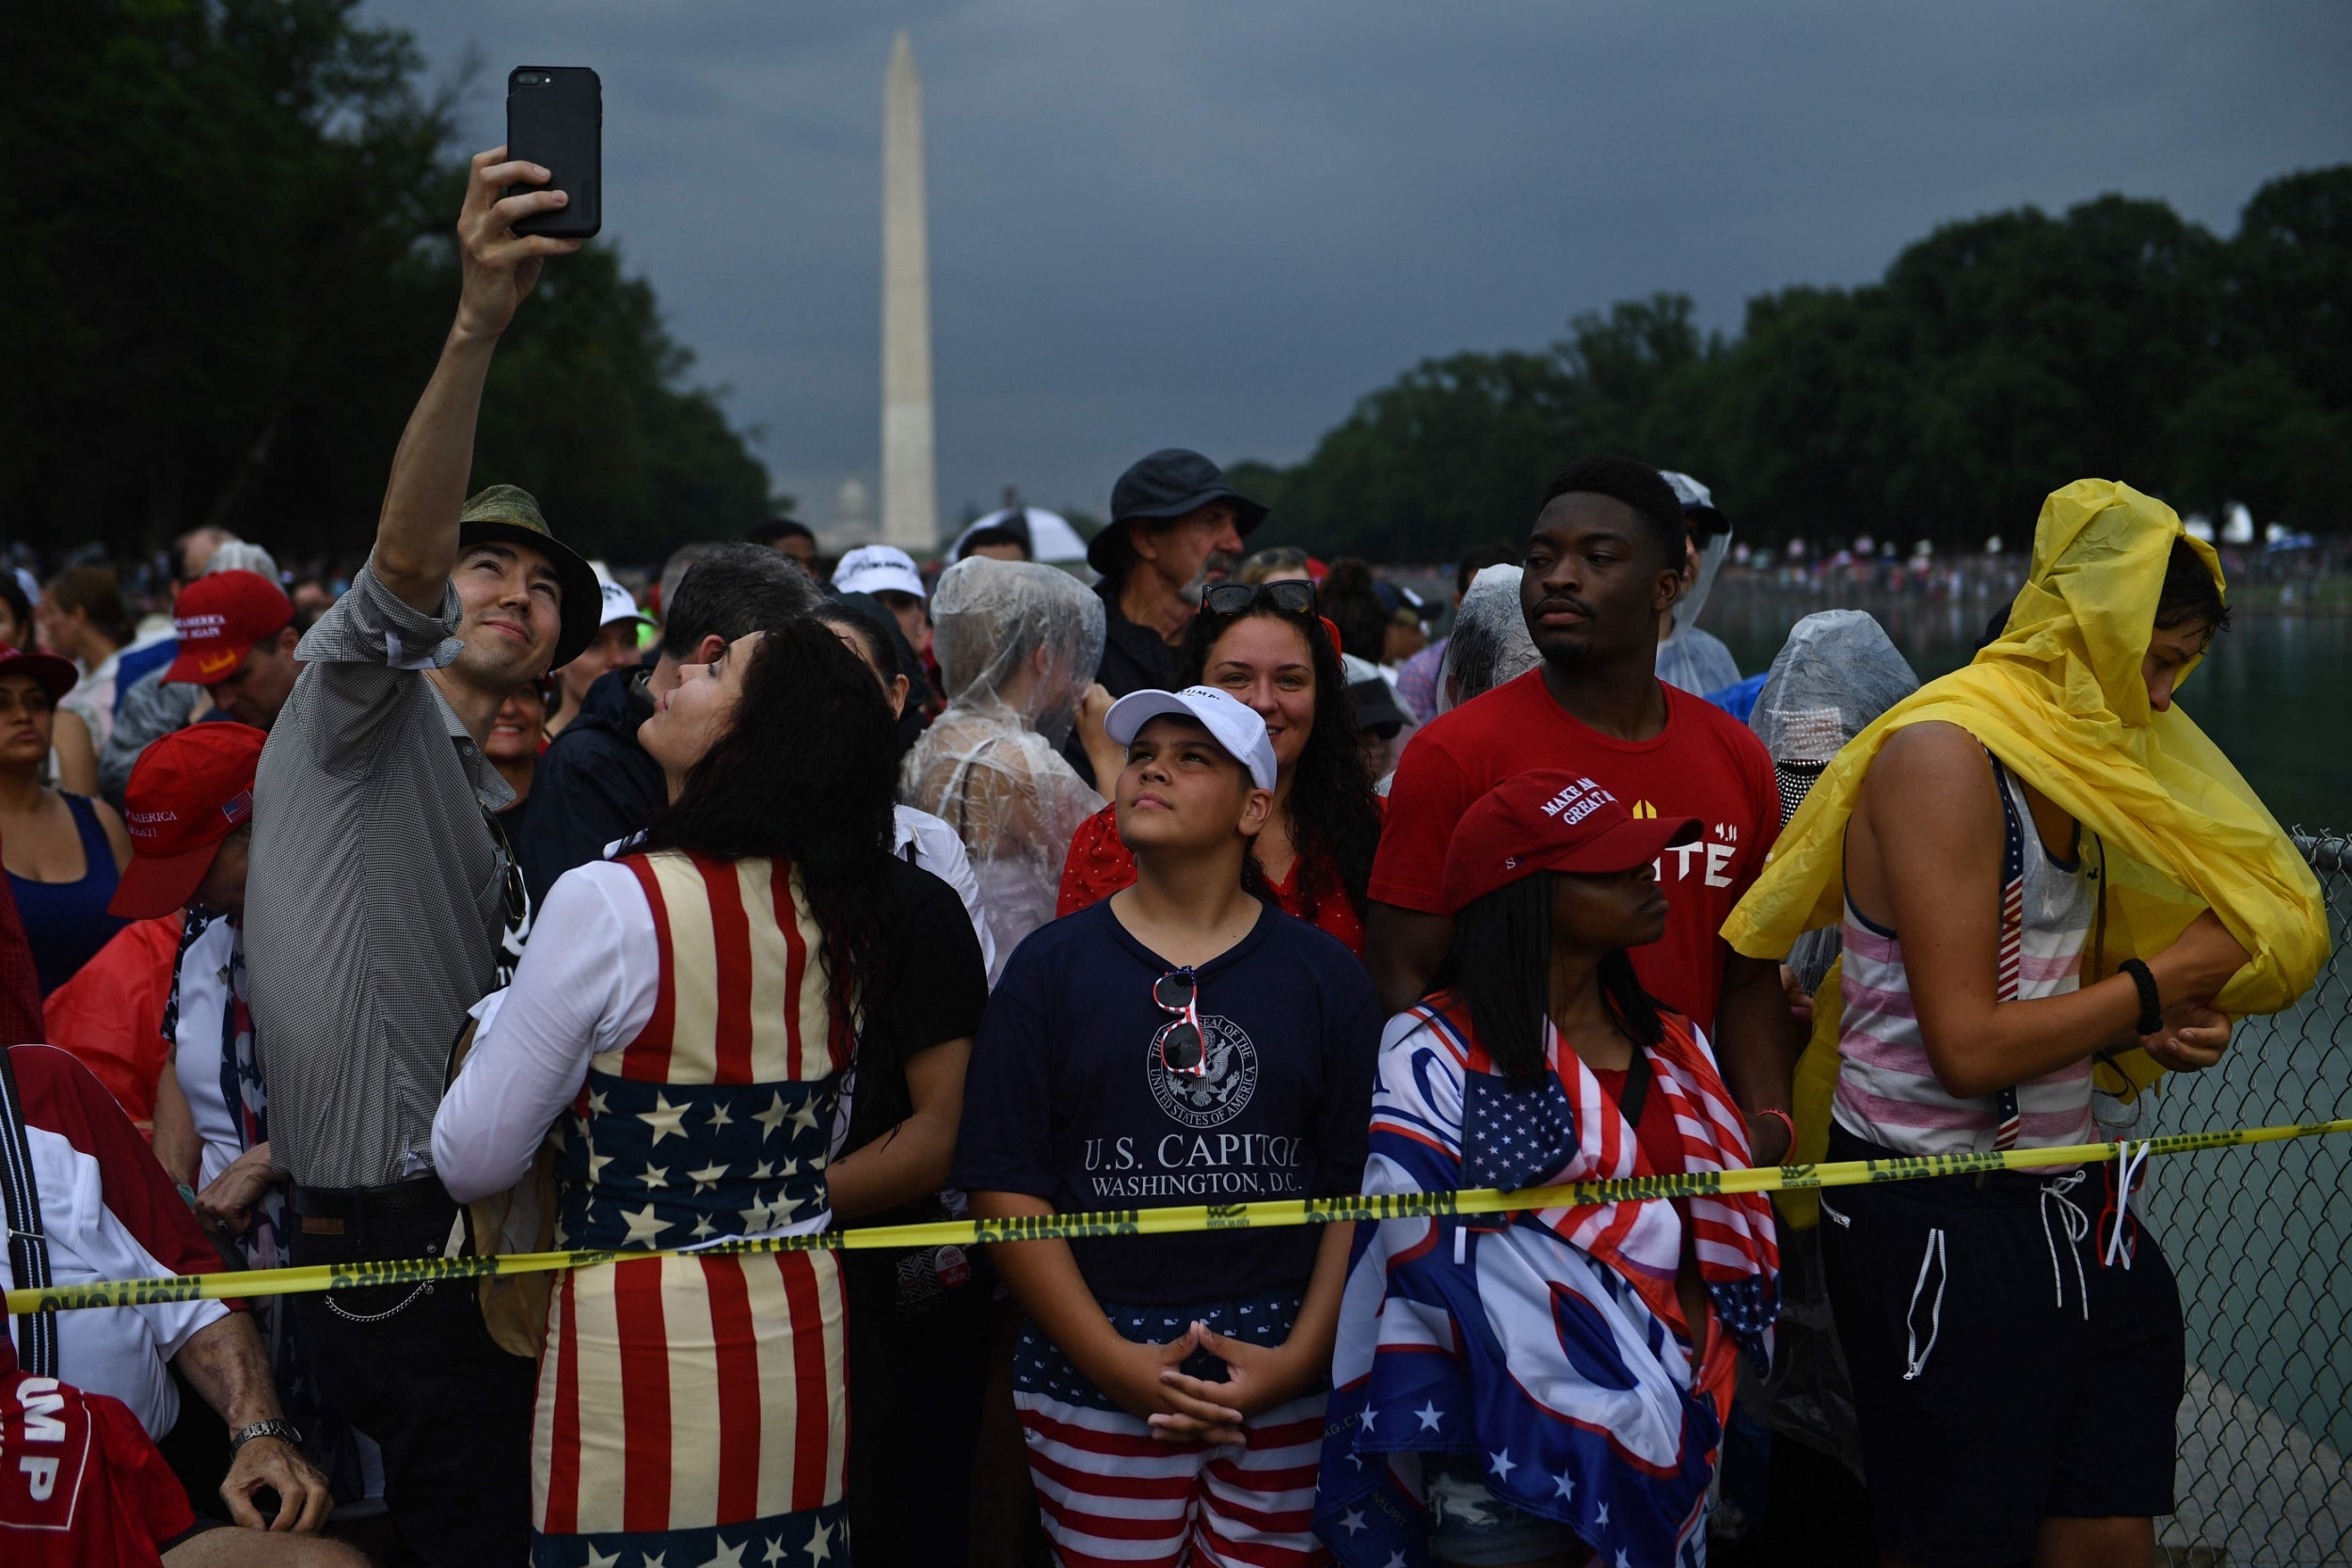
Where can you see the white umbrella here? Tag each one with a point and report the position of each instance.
(1052, 540)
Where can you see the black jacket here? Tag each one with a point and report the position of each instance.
(593, 785)
(1134, 658)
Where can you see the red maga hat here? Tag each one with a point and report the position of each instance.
(219, 617)
(1550, 821)
(190, 790)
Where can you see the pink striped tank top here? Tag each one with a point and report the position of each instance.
(1886, 1091)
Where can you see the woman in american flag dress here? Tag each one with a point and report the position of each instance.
(1543, 1388)
(683, 1019)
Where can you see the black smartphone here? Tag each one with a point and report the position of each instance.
(555, 118)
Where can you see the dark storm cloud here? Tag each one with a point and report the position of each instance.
(1218, 225)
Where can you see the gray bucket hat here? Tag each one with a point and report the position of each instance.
(509, 513)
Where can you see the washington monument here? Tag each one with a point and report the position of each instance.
(909, 501)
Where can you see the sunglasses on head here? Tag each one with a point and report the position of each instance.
(1290, 595)
(1182, 1046)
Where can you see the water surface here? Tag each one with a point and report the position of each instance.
(2275, 693)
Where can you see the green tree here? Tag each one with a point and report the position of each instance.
(2292, 262)
(224, 269)
(1450, 451)
(1998, 359)
(583, 411)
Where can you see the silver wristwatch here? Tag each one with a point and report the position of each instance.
(277, 1427)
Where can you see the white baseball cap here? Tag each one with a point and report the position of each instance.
(878, 569)
(1236, 728)
(620, 605)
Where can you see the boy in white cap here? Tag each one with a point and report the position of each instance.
(1181, 1042)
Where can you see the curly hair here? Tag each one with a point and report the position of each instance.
(764, 791)
(1638, 486)
(1334, 816)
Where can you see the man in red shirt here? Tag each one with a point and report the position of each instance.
(1603, 561)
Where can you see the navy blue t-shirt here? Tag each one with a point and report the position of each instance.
(1067, 1099)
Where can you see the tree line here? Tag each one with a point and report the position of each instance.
(1998, 359)
(226, 266)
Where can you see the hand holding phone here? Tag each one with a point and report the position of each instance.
(497, 266)
(555, 118)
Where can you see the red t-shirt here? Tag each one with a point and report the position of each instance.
(1099, 865)
(110, 1015)
(80, 1483)
(1703, 763)
(1656, 1136)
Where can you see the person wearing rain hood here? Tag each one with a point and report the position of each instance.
(1838, 672)
(1695, 660)
(1489, 644)
(1017, 645)
(2045, 877)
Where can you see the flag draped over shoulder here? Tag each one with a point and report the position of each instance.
(1544, 1350)
(2059, 698)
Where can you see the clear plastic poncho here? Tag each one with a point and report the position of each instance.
(1489, 644)
(1696, 660)
(1838, 672)
(1018, 644)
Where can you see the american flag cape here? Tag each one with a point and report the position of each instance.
(1545, 1349)
(694, 1409)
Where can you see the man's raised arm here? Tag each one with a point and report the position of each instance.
(415, 537)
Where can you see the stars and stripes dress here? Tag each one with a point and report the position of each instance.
(1547, 1350)
(691, 1409)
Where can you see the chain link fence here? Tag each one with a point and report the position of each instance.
(2261, 1239)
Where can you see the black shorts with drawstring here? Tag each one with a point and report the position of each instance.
(2002, 1373)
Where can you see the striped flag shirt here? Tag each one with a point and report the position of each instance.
(693, 1409)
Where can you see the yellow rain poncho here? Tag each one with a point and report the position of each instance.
(2061, 699)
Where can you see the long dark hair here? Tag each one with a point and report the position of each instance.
(806, 773)
(1347, 596)
(1334, 816)
(869, 636)
(1500, 966)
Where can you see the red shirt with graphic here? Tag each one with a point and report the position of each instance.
(80, 1483)
(1703, 763)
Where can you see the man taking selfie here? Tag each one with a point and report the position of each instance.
(377, 895)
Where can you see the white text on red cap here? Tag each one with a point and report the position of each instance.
(1578, 802)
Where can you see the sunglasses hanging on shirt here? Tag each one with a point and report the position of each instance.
(1182, 1045)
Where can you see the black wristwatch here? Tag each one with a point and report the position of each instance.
(2150, 1006)
(277, 1426)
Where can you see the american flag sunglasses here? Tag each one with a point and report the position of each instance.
(1183, 1047)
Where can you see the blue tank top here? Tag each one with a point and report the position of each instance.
(67, 923)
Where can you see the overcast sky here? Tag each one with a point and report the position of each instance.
(1216, 226)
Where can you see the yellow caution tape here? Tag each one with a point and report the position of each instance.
(1152, 1222)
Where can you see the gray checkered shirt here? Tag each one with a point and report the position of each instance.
(373, 907)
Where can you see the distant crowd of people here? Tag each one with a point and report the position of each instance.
(471, 907)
